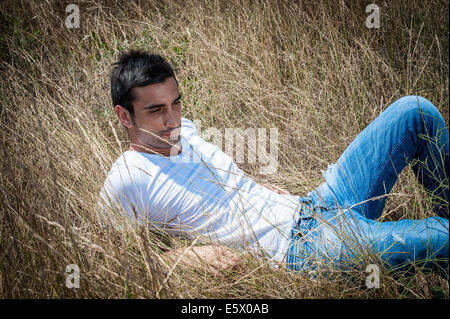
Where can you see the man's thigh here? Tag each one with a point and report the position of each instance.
(367, 170)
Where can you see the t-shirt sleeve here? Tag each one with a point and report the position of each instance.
(125, 190)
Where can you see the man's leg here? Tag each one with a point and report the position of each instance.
(411, 130)
(344, 239)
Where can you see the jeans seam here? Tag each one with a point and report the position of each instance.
(369, 193)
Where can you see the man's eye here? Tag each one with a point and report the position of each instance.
(155, 110)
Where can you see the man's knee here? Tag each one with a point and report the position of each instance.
(417, 106)
(421, 114)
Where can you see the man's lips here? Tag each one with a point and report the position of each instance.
(173, 133)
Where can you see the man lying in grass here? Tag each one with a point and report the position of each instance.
(178, 182)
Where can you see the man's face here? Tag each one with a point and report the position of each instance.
(157, 115)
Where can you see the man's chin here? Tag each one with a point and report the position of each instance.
(171, 139)
(175, 135)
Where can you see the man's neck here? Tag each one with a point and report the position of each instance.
(155, 150)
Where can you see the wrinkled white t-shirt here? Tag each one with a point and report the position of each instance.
(202, 192)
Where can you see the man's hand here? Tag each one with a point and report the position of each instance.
(275, 188)
(215, 259)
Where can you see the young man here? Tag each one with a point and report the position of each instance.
(176, 181)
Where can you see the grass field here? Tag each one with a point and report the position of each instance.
(312, 69)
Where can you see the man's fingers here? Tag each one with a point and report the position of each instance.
(275, 188)
(213, 259)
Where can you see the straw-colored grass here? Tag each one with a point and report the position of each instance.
(309, 68)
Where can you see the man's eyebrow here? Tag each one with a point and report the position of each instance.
(152, 106)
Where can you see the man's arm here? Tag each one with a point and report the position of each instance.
(275, 188)
(212, 258)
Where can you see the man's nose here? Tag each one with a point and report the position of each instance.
(171, 119)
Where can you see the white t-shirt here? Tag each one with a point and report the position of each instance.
(202, 192)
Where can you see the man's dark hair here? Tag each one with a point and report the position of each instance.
(135, 69)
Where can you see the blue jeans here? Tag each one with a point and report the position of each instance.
(338, 224)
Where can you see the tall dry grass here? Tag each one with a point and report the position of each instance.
(310, 69)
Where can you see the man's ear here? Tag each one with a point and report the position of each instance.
(124, 116)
